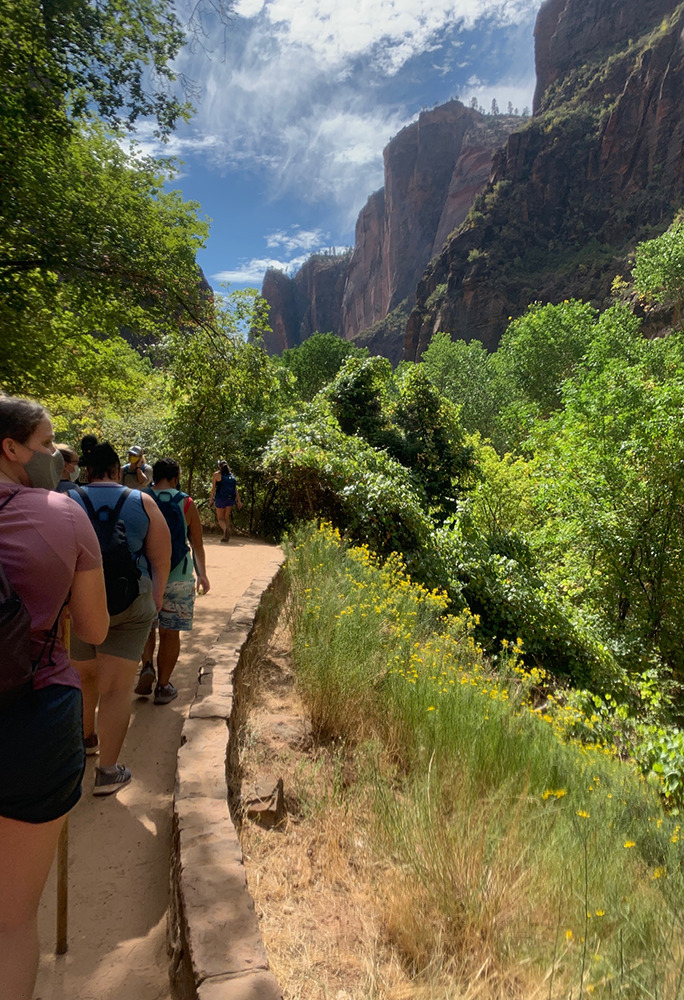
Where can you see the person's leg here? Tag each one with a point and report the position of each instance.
(87, 671)
(26, 852)
(167, 657)
(229, 529)
(147, 674)
(148, 651)
(115, 677)
(221, 518)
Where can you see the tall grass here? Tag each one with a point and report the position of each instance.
(521, 862)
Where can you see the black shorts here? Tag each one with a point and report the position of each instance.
(42, 754)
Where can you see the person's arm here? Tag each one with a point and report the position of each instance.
(143, 472)
(238, 501)
(157, 548)
(214, 481)
(197, 544)
(88, 605)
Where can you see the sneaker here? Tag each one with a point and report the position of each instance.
(106, 783)
(92, 745)
(165, 693)
(146, 679)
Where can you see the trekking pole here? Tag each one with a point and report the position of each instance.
(63, 856)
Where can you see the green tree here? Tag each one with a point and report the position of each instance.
(611, 464)
(228, 398)
(659, 268)
(463, 373)
(317, 361)
(98, 245)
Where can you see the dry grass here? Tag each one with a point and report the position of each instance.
(342, 920)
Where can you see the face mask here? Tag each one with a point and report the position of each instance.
(133, 459)
(44, 470)
(73, 476)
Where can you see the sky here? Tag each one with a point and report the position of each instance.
(296, 99)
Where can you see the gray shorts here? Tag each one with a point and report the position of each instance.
(128, 631)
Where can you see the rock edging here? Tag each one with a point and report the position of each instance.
(214, 937)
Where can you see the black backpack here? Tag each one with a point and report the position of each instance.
(15, 637)
(120, 570)
(170, 506)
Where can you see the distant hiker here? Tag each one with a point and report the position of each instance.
(136, 473)
(133, 535)
(49, 558)
(179, 596)
(71, 470)
(224, 493)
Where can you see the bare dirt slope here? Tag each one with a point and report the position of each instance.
(119, 846)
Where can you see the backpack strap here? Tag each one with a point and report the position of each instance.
(87, 502)
(10, 497)
(121, 501)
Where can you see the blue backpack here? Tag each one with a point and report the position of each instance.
(170, 505)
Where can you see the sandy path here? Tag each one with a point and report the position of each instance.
(119, 846)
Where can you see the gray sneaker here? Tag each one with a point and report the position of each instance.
(165, 693)
(106, 782)
(146, 679)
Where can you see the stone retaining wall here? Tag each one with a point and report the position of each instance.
(214, 938)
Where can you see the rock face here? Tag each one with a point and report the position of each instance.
(433, 170)
(598, 169)
(309, 302)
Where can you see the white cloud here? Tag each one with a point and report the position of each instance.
(250, 271)
(307, 241)
(298, 239)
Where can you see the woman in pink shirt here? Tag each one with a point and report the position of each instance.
(51, 557)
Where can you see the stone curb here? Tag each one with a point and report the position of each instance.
(214, 937)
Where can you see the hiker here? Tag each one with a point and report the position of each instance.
(134, 592)
(51, 557)
(71, 470)
(224, 494)
(136, 473)
(179, 596)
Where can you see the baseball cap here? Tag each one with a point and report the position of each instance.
(135, 450)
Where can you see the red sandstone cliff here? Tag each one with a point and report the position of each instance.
(434, 168)
(598, 169)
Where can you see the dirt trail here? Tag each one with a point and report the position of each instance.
(119, 846)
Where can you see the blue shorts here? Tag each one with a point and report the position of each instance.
(178, 606)
(42, 753)
(221, 504)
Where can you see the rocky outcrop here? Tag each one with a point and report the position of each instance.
(569, 34)
(434, 168)
(305, 304)
(598, 169)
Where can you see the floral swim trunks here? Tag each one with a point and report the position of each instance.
(178, 606)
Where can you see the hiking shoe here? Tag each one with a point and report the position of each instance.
(107, 782)
(92, 745)
(225, 540)
(146, 679)
(164, 693)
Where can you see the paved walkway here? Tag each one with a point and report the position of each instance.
(119, 846)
